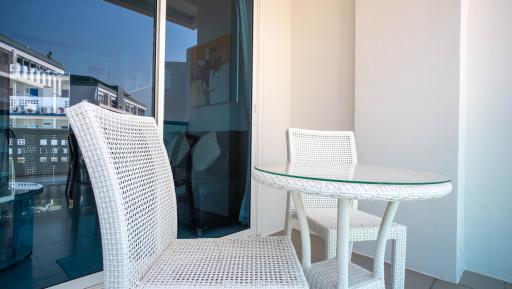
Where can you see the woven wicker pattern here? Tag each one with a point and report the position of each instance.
(354, 190)
(133, 188)
(326, 229)
(323, 275)
(321, 146)
(337, 149)
(227, 263)
(363, 227)
(329, 147)
(134, 191)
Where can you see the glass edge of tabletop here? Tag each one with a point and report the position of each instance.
(441, 179)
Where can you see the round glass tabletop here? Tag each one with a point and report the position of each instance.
(355, 173)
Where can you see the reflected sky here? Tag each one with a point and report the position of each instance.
(89, 37)
(178, 40)
(95, 38)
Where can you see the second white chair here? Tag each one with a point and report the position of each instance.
(339, 147)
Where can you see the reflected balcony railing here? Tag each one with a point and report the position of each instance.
(37, 77)
(38, 105)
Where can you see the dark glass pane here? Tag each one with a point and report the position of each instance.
(53, 54)
(208, 113)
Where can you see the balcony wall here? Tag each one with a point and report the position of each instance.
(304, 77)
(323, 64)
(407, 115)
(488, 99)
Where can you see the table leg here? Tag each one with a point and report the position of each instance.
(385, 226)
(304, 230)
(342, 246)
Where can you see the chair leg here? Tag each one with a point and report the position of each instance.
(398, 248)
(289, 227)
(350, 249)
(288, 218)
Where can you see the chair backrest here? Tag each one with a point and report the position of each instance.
(133, 187)
(330, 147)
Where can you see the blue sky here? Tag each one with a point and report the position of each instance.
(94, 37)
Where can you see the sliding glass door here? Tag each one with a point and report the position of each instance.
(53, 54)
(207, 115)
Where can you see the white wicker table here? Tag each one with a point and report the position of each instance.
(346, 183)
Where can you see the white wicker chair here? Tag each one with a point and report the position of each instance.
(134, 191)
(339, 147)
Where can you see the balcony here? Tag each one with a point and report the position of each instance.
(34, 105)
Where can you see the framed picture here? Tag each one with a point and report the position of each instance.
(209, 68)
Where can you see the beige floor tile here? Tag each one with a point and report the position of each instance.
(440, 284)
(477, 281)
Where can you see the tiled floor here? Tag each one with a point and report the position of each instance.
(413, 280)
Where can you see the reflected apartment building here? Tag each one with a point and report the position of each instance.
(39, 91)
(37, 150)
(111, 97)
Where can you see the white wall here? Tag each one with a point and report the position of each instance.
(488, 156)
(323, 64)
(406, 114)
(304, 77)
(408, 111)
(272, 101)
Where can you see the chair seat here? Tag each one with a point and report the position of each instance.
(227, 263)
(363, 226)
(324, 275)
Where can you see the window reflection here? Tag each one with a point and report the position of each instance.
(98, 51)
(207, 126)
